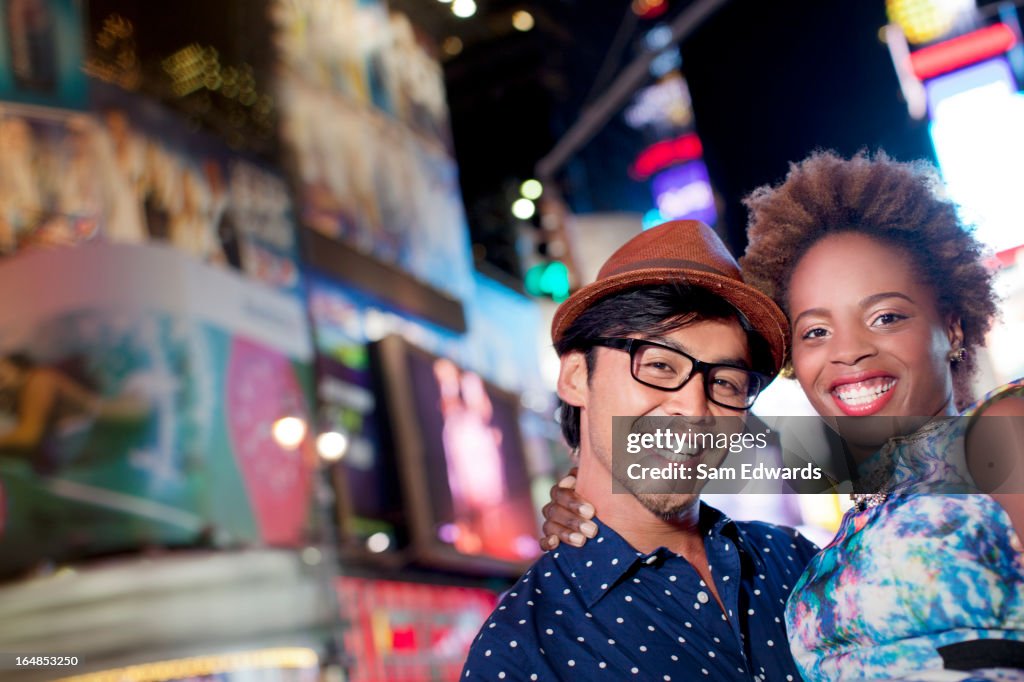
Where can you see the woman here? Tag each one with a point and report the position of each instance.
(53, 413)
(41, 397)
(889, 300)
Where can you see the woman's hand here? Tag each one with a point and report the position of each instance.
(567, 517)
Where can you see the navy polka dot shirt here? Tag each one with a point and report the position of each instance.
(606, 611)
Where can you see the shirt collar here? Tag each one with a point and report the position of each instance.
(717, 523)
(596, 568)
(714, 523)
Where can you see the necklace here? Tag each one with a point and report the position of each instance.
(865, 501)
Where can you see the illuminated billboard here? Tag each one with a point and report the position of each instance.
(975, 127)
(684, 193)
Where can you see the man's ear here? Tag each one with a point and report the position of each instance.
(955, 332)
(572, 378)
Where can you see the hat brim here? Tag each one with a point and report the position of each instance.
(766, 318)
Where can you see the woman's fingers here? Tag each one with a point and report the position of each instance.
(566, 525)
(567, 518)
(549, 542)
(572, 510)
(555, 532)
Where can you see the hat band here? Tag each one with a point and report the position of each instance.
(675, 263)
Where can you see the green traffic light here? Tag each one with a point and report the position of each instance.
(532, 279)
(555, 281)
(548, 279)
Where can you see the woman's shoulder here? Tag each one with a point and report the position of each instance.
(961, 527)
(954, 509)
(1009, 397)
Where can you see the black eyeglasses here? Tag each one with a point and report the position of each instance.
(667, 369)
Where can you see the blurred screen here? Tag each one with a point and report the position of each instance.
(473, 459)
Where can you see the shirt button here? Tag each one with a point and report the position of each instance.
(702, 597)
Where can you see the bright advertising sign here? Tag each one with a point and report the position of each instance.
(684, 193)
(976, 114)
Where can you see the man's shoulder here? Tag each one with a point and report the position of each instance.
(544, 582)
(508, 644)
(535, 587)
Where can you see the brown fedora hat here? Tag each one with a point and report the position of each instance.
(680, 251)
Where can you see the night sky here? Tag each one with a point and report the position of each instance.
(770, 82)
(773, 81)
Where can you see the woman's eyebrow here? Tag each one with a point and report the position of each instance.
(810, 311)
(875, 298)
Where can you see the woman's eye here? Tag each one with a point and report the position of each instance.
(814, 333)
(888, 318)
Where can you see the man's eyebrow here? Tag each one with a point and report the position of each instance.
(738, 361)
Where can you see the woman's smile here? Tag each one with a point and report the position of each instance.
(864, 393)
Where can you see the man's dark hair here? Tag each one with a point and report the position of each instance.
(648, 311)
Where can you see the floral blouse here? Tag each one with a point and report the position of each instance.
(920, 571)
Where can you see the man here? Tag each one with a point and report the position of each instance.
(670, 588)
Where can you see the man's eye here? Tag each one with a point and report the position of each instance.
(726, 386)
(659, 366)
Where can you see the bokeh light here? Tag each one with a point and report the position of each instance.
(452, 46)
(531, 189)
(523, 208)
(331, 445)
(522, 20)
(289, 432)
(378, 542)
(464, 9)
(926, 20)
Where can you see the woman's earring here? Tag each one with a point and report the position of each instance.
(957, 355)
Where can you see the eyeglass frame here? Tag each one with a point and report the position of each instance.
(632, 345)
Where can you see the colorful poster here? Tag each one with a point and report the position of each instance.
(367, 56)
(364, 179)
(364, 126)
(170, 183)
(41, 53)
(50, 190)
(133, 174)
(409, 631)
(138, 396)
